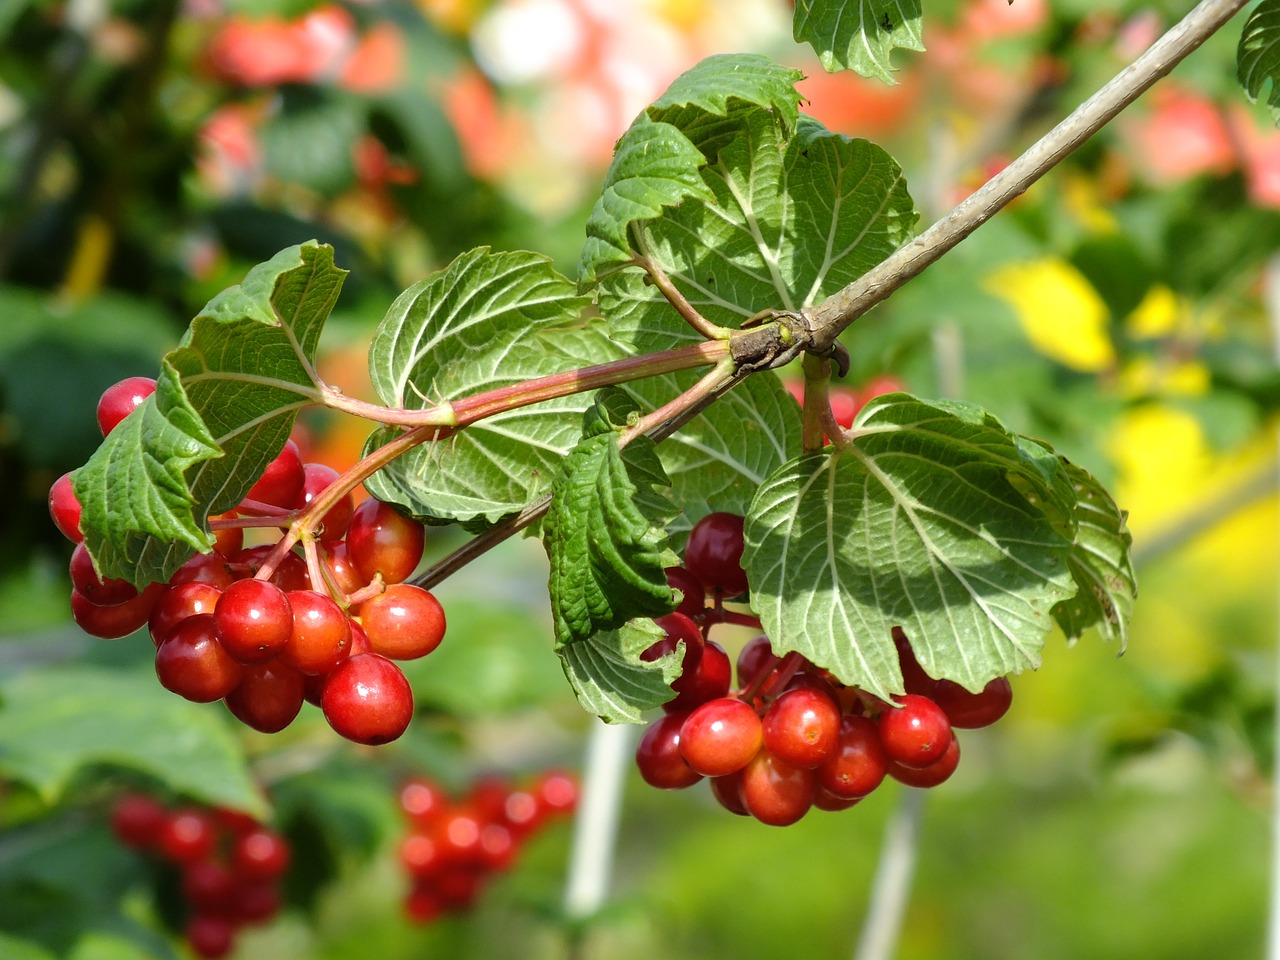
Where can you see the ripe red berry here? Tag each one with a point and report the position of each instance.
(338, 559)
(254, 620)
(281, 482)
(403, 622)
(64, 508)
(968, 710)
(677, 627)
(658, 755)
(915, 732)
(187, 834)
(556, 791)
(121, 399)
(710, 679)
(802, 727)
(693, 595)
(775, 792)
(367, 699)
(259, 856)
(727, 791)
(914, 679)
(95, 589)
(208, 887)
(192, 663)
(255, 902)
(931, 775)
(422, 800)
(210, 568)
(859, 763)
(714, 554)
(136, 820)
(380, 539)
(268, 697)
(179, 602)
(755, 659)
(112, 621)
(321, 637)
(210, 936)
(720, 737)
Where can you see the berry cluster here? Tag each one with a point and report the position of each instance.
(264, 629)
(229, 864)
(454, 847)
(790, 736)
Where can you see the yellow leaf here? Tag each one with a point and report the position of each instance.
(1061, 313)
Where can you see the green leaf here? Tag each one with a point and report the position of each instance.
(1100, 563)
(485, 322)
(58, 721)
(605, 529)
(224, 405)
(656, 162)
(793, 220)
(1258, 55)
(610, 679)
(935, 519)
(858, 34)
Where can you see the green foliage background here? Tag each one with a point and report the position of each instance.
(1120, 811)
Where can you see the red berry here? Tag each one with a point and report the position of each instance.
(211, 937)
(65, 509)
(802, 727)
(824, 799)
(556, 791)
(227, 541)
(112, 621)
(859, 763)
(192, 663)
(914, 679)
(380, 539)
(403, 622)
(693, 595)
(420, 855)
(255, 902)
(678, 627)
(968, 710)
(179, 602)
(844, 405)
(95, 589)
(136, 820)
(915, 732)
(422, 800)
(423, 905)
(210, 568)
(338, 559)
(658, 755)
(728, 793)
(367, 699)
(121, 399)
(755, 660)
(932, 775)
(714, 554)
(187, 834)
(259, 856)
(497, 847)
(268, 697)
(720, 737)
(281, 482)
(321, 637)
(775, 792)
(290, 572)
(710, 679)
(316, 478)
(208, 887)
(254, 620)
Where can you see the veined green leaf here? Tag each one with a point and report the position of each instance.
(225, 402)
(656, 162)
(1100, 563)
(486, 321)
(55, 722)
(1258, 55)
(605, 529)
(858, 34)
(610, 679)
(793, 220)
(936, 519)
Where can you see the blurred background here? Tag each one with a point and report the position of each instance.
(1126, 309)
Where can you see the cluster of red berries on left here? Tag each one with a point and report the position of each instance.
(261, 628)
(229, 864)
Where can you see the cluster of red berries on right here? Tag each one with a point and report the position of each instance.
(258, 627)
(789, 736)
(230, 865)
(455, 846)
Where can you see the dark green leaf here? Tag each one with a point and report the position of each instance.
(935, 519)
(56, 722)
(611, 680)
(1258, 55)
(858, 34)
(605, 530)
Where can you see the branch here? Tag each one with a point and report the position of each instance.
(842, 308)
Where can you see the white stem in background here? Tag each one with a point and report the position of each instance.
(596, 824)
(892, 885)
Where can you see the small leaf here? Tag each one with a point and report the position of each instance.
(56, 722)
(1100, 563)
(225, 403)
(486, 321)
(858, 34)
(604, 531)
(1258, 55)
(610, 679)
(924, 522)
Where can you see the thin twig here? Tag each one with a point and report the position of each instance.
(674, 297)
(845, 306)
